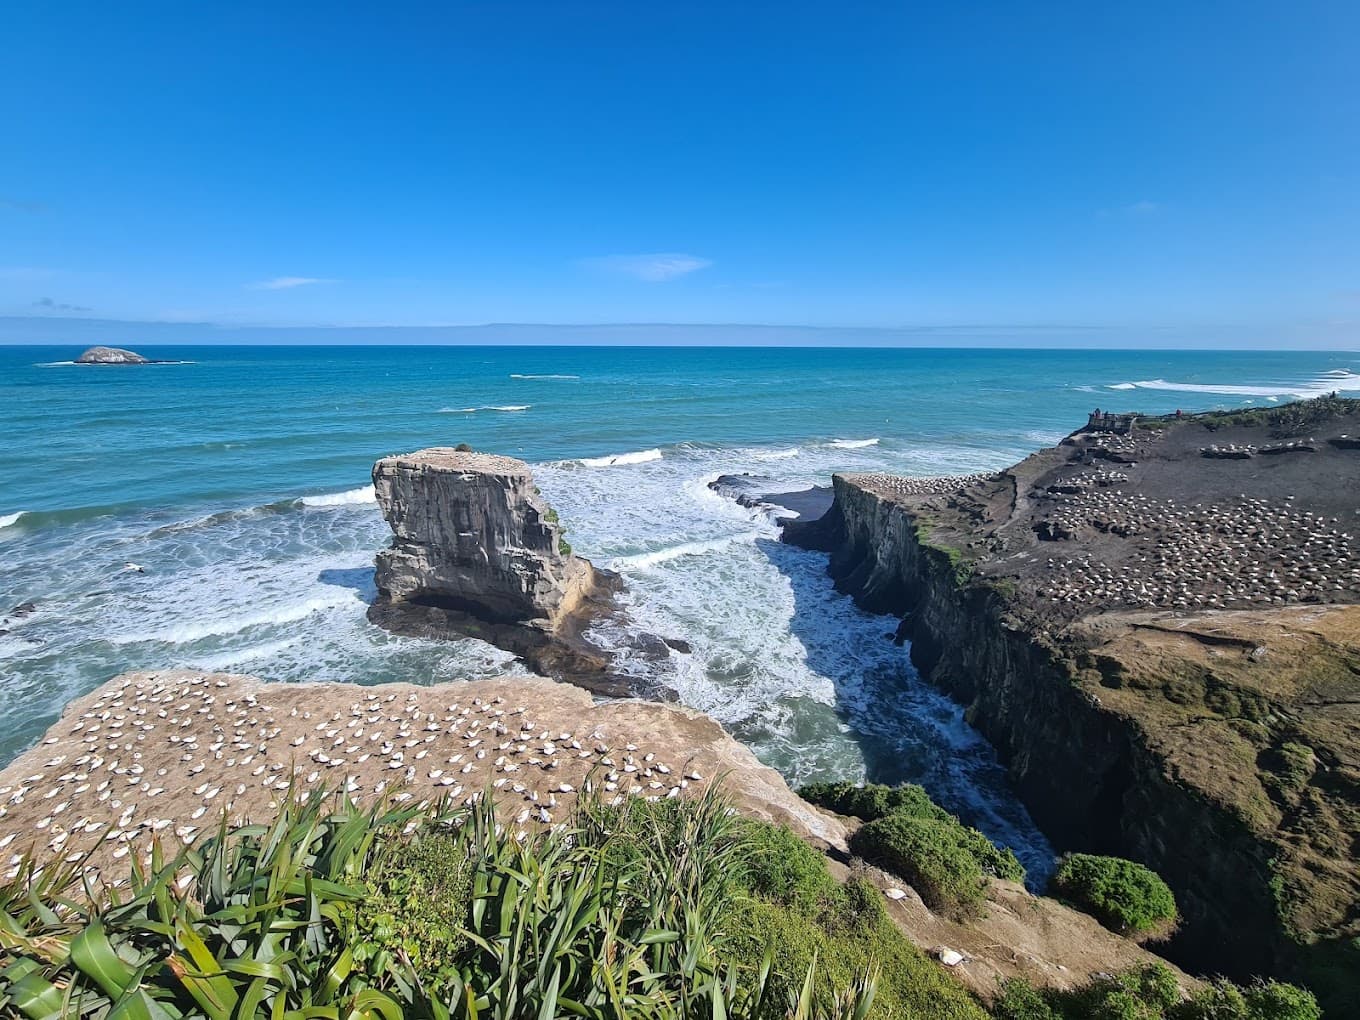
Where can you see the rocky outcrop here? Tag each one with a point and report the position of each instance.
(111, 356)
(1219, 747)
(477, 552)
(471, 532)
(248, 740)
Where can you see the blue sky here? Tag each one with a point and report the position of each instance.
(1183, 171)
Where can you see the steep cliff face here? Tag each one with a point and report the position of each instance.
(1096, 757)
(477, 553)
(471, 533)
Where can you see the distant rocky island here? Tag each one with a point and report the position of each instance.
(1156, 624)
(111, 356)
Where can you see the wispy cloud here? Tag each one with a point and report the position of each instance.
(657, 267)
(50, 305)
(18, 205)
(287, 282)
(1348, 295)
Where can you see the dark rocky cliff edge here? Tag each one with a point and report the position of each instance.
(1162, 642)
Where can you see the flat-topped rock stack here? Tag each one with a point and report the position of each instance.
(477, 552)
(471, 532)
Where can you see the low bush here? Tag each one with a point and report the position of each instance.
(1151, 993)
(929, 854)
(783, 869)
(873, 801)
(1123, 895)
(853, 938)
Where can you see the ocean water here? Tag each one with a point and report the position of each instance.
(238, 479)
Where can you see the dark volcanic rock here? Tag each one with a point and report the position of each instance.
(1129, 698)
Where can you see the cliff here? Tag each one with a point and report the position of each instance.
(477, 552)
(1164, 646)
(470, 531)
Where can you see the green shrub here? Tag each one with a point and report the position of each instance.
(624, 913)
(873, 801)
(781, 868)
(930, 855)
(1151, 993)
(845, 945)
(418, 906)
(1123, 895)
(1271, 1000)
(1020, 1001)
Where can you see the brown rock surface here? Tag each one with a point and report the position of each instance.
(168, 753)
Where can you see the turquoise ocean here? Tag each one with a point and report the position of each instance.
(238, 477)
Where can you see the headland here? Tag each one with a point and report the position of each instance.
(1163, 642)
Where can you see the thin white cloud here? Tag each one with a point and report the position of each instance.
(656, 267)
(1143, 208)
(288, 282)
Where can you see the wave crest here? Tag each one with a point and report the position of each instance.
(363, 494)
(852, 444)
(620, 459)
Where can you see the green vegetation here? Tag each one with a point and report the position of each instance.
(1150, 993)
(907, 833)
(959, 564)
(663, 909)
(1122, 895)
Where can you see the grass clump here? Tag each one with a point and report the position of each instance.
(796, 913)
(1122, 895)
(930, 855)
(1151, 993)
(947, 862)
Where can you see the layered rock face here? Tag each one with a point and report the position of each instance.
(471, 533)
(1138, 714)
(110, 356)
(476, 552)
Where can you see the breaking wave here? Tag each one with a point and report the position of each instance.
(852, 444)
(7, 519)
(1336, 379)
(519, 375)
(363, 494)
(620, 459)
(488, 407)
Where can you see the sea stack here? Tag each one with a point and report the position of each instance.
(111, 356)
(477, 552)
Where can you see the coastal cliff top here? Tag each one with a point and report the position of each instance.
(1199, 577)
(1229, 510)
(165, 755)
(446, 458)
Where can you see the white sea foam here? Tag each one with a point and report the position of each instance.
(1337, 379)
(777, 454)
(224, 626)
(621, 459)
(519, 375)
(7, 519)
(644, 561)
(488, 407)
(852, 444)
(363, 494)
